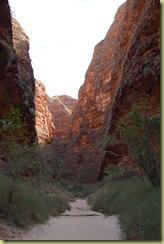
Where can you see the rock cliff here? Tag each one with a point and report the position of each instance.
(44, 123)
(26, 81)
(61, 108)
(8, 63)
(125, 67)
(136, 69)
(16, 75)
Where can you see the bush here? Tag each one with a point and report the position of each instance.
(79, 190)
(140, 131)
(137, 205)
(28, 205)
(21, 203)
(12, 126)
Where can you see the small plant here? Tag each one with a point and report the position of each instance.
(12, 126)
(79, 190)
(112, 172)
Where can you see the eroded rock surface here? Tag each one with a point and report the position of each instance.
(125, 67)
(61, 108)
(17, 86)
(44, 122)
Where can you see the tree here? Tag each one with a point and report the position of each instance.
(141, 133)
(22, 158)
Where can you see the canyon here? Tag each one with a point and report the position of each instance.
(125, 68)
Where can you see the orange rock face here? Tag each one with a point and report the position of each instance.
(125, 67)
(44, 122)
(61, 108)
(137, 65)
(15, 92)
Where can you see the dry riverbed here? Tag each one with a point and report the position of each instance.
(78, 224)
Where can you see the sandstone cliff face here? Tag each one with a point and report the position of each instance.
(124, 68)
(26, 81)
(8, 63)
(61, 108)
(44, 122)
(15, 91)
(137, 66)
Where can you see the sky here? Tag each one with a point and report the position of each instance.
(63, 34)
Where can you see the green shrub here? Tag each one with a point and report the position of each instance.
(28, 205)
(12, 126)
(79, 190)
(137, 204)
(140, 131)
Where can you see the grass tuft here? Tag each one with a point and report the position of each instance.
(137, 204)
(29, 205)
(79, 190)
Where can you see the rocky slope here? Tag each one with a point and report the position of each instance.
(125, 67)
(61, 108)
(44, 122)
(16, 75)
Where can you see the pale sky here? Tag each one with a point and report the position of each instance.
(63, 34)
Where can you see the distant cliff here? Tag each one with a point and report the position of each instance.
(44, 123)
(125, 67)
(61, 108)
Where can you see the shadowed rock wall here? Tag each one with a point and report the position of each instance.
(125, 67)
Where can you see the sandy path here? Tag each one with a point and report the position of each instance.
(78, 224)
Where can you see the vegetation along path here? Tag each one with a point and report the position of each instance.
(78, 224)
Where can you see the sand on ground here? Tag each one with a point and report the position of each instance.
(80, 223)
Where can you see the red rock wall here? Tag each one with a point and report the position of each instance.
(44, 121)
(61, 108)
(124, 68)
(137, 66)
(14, 93)
(8, 62)
(26, 81)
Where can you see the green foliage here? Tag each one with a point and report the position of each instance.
(141, 133)
(113, 171)
(137, 204)
(12, 126)
(79, 190)
(29, 205)
(22, 159)
(22, 162)
(22, 203)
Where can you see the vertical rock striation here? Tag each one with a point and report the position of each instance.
(26, 81)
(8, 63)
(137, 66)
(61, 108)
(125, 67)
(44, 122)
(17, 86)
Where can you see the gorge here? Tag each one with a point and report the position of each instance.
(124, 69)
